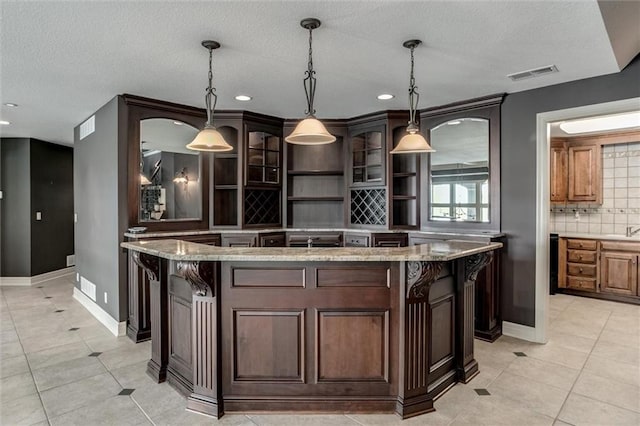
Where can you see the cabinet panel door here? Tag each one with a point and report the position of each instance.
(619, 273)
(584, 173)
(558, 163)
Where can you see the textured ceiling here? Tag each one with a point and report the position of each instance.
(61, 61)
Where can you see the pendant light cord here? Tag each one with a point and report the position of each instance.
(414, 96)
(309, 81)
(210, 94)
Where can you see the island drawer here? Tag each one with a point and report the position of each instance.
(581, 270)
(582, 244)
(581, 256)
(272, 240)
(578, 283)
(351, 240)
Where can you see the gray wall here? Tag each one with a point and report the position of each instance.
(52, 195)
(518, 186)
(100, 176)
(16, 225)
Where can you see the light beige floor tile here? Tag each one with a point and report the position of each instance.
(117, 410)
(580, 410)
(614, 351)
(16, 386)
(561, 423)
(610, 391)
(8, 336)
(493, 357)
(133, 376)
(454, 401)
(494, 410)
(301, 420)
(486, 376)
(616, 370)
(623, 323)
(560, 301)
(57, 354)
(107, 343)
(36, 344)
(97, 331)
(155, 398)
(6, 324)
(42, 329)
(571, 341)
(86, 392)
(14, 365)
(26, 410)
(122, 357)
(582, 328)
(181, 416)
(434, 418)
(545, 372)
(620, 338)
(8, 350)
(67, 372)
(533, 395)
(551, 352)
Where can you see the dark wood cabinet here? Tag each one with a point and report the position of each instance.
(240, 240)
(276, 239)
(315, 239)
(389, 240)
(356, 240)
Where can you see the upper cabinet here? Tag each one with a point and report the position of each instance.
(367, 167)
(461, 182)
(575, 172)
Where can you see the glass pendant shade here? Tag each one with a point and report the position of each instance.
(310, 131)
(143, 180)
(412, 143)
(211, 140)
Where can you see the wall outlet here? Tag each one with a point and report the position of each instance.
(0, 195)
(71, 260)
(77, 277)
(38, 215)
(105, 297)
(75, 218)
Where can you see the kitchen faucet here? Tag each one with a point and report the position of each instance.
(631, 232)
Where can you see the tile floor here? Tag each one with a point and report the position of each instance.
(59, 366)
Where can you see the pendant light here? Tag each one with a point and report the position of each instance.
(413, 142)
(310, 131)
(210, 139)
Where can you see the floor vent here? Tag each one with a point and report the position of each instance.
(88, 288)
(533, 73)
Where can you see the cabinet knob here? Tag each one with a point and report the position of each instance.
(580, 269)
(580, 257)
(271, 241)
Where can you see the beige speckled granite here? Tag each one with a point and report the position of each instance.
(604, 237)
(444, 233)
(183, 250)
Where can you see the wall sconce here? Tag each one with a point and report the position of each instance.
(182, 177)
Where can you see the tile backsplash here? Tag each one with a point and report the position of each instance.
(620, 195)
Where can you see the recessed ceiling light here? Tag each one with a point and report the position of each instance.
(4, 123)
(11, 105)
(385, 96)
(598, 124)
(243, 98)
(178, 123)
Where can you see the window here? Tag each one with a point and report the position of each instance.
(459, 201)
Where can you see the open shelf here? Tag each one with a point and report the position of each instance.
(315, 172)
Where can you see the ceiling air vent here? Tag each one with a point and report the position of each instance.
(533, 73)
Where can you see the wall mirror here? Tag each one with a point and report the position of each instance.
(170, 178)
(459, 171)
(462, 183)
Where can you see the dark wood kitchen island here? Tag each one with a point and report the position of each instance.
(312, 330)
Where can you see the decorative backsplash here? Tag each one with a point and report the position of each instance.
(620, 194)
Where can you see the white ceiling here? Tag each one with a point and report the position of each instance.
(62, 60)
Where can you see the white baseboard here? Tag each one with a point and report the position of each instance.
(519, 331)
(115, 327)
(37, 279)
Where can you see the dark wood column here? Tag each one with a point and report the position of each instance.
(206, 397)
(156, 270)
(139, 315)
(466, 274)
(414, 398)
(488, 323)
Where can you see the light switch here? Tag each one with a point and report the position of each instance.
(38, 215)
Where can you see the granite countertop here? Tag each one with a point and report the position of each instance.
(610, 237)
(448, 232)
(183, 250)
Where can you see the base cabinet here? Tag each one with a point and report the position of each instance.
(603, 269)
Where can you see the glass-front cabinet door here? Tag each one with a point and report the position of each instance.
(367, 159)
(263, 158)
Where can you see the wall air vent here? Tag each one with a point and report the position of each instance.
(87, 127)
(533, 73)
